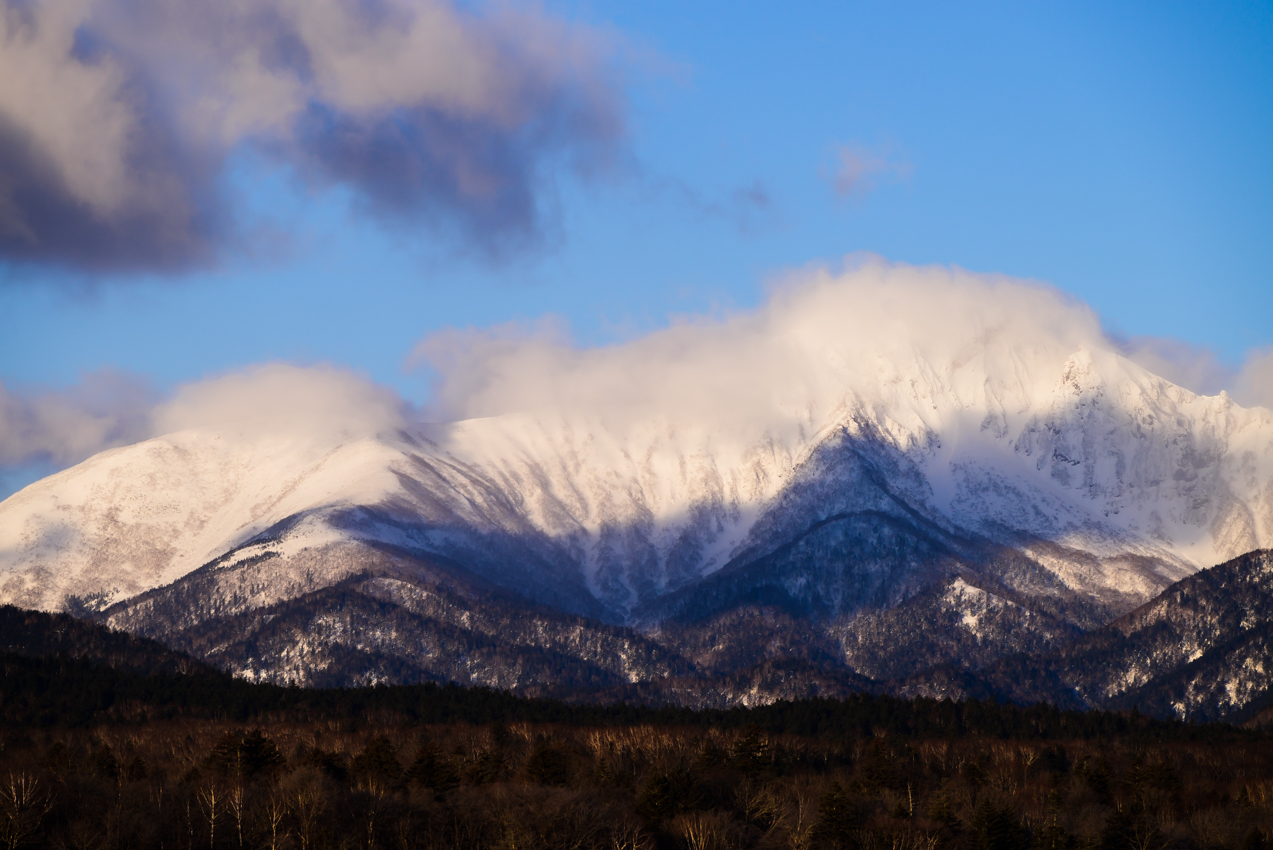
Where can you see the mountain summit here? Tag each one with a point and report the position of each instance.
(867, 454)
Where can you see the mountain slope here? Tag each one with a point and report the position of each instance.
(36, 634)
(390, 617)
(1030, 442)
(1202, 650)
(858, 469)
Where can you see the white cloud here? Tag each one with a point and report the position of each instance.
(871, 334)
(1200, 369)
(874, 333)
(1190, 366)
(821, 336)
(322, 403)
(108, 409)
(1253, 385)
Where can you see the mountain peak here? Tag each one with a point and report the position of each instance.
(847, 452)
(1110, 460)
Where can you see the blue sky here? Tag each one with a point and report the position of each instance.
(1120, 152)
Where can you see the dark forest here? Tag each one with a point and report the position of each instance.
(108, 741)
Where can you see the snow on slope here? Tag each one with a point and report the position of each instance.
(1021, 414)
(642, 467)
(142, 516)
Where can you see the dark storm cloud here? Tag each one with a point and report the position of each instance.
(116, 118)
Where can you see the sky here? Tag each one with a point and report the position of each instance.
(190, 190)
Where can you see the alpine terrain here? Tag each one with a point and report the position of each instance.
(878, 474)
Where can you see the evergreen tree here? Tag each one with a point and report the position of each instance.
(839, 818)
(995, 827)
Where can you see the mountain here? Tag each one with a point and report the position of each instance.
(35, 634)
(903, 496)
(1202, 650)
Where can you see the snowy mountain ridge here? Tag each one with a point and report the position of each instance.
(861, 439)
(1132, 467)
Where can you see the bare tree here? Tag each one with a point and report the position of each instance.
(275, 811)
(800, 833)
(210, 802)
(234, 802)
(23, 805)
(307, 803)
(629, 837)
(375, 791)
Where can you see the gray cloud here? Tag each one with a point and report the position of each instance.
(117, 116)
(859, 169)
(749, 208)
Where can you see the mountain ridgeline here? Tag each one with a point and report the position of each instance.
(1016, 522)
(1201, 652)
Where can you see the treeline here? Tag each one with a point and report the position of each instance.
(57, 671)
(64, 692)
(141, 755)
(284, 785)
(37, 634)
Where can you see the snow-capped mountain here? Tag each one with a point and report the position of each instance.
(850, 462)
(1115, 486)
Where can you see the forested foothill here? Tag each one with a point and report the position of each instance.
(107, 742)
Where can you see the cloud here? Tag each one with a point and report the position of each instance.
(117, 117)
(106, 409)
(920, 346)
(1200, 370)
(822, 335)
(1195, 368)
(320, 403)
(323, 404)
(919, 343)
(1253, 385)
(859, 169)
(748, 208)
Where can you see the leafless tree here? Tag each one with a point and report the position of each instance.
(234, 802)
(307, 804)
(24, 802)
(275, 810)
(210, 802)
